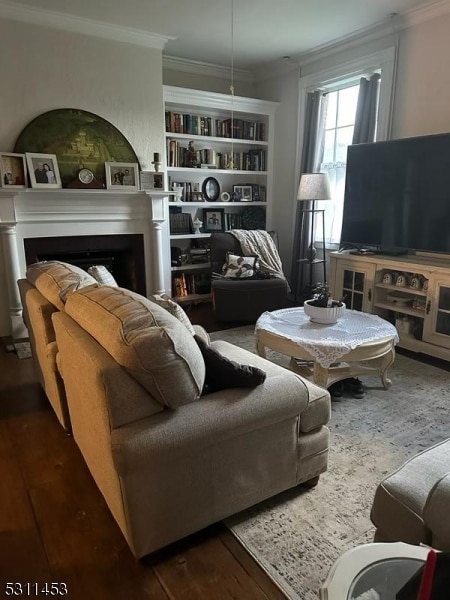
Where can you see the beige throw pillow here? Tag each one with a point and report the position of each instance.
(175, 309)
(101, 274)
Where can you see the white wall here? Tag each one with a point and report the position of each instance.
(422, 103)
(43, 69)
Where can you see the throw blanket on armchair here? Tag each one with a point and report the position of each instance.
(257, 242)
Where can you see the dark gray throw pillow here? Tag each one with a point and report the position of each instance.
(223, 373)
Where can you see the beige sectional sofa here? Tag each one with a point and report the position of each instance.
(169, 459)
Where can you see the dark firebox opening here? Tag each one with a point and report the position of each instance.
(123, 255)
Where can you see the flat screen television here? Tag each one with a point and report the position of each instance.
(397, 195)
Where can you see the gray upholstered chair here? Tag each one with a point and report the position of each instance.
(411, 504)
(243, 300)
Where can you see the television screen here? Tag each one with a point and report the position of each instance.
(397, 195)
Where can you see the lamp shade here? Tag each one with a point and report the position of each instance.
(314, 186)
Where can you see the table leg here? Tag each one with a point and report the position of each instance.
(260, 348)
(320, 376)
(386, 361)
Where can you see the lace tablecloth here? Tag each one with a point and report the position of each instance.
(327, 343)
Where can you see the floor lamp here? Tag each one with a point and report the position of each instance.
(313, 187)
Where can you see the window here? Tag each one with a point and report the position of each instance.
(338, 134)
(341, 86)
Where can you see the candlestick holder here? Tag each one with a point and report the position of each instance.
(157, 165)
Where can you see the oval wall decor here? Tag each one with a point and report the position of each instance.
(79, 139)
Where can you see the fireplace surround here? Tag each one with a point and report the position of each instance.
(124, 223)
(123, 255)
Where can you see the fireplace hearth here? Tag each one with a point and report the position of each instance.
(122, 255)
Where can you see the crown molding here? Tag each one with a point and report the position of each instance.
(389, 26)
(67, 22)
(433, 10)
(208, 69)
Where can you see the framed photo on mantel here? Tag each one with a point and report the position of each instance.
(13, 170)
(43, 170)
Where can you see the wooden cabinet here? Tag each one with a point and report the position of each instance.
(230, 140)
(412, 292)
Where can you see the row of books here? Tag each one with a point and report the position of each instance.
(190, 191)
(180, 222)
(184, 284)
(180, 156)
(208, 126)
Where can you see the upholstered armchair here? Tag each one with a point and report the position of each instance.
(242, 300)
(411, 504)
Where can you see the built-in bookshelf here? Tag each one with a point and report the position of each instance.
(210, 135)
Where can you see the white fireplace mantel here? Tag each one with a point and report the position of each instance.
(28, 213)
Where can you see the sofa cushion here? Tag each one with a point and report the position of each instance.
(55, 280)
(145, 339)
(175, 309)
(223, 373)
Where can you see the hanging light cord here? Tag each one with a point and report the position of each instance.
(231, 162)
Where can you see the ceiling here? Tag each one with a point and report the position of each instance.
(263, 30)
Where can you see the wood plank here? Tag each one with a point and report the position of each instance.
(206, 569)
(84, 545)
(269, 587)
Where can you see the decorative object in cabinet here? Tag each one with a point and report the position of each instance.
(423, 319)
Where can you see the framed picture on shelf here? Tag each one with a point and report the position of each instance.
(13, 170)
(123, 175)
(43, 170)
(242, 193)
(213, 220)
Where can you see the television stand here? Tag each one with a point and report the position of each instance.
(392, 251)
(419, 309)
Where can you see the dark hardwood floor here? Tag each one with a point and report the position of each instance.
(56, 527)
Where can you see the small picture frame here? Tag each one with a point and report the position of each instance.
(121, 175)
(43, 170)
(242, 193)
(151, 181)
(13, 170)
(213, 219)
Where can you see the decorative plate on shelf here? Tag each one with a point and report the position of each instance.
(80, 140)
(399, 299)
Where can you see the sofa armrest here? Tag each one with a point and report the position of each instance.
(435, 513)
(216, 417)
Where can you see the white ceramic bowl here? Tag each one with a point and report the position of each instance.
(324, 315)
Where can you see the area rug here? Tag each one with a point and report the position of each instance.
(23, 350)
(298, 535)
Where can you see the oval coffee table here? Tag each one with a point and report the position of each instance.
(358, 344)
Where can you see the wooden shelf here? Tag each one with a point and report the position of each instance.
(401, 309)
(210, 172)
(192, 267)
(193, 298)
(184, 236)
(215, 140)
(404, 290)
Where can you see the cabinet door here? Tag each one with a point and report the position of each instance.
(354, 284)
(436, 329)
